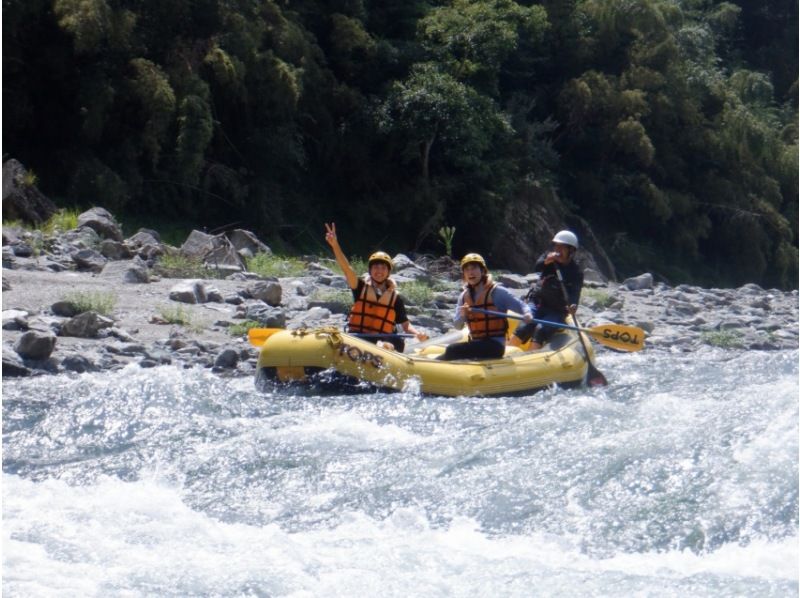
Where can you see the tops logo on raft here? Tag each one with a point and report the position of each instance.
(356, 355)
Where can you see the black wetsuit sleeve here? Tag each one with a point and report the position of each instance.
(358, 289)
(400, 310)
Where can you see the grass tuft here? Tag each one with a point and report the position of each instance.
(98, 302)
(724, 339)
(265, 264)
(241, 328)
(179, 315)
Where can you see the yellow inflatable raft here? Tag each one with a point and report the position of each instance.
(312, 355)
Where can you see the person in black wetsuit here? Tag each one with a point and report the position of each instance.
(546, 297)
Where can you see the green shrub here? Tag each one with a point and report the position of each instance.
(342, 297)
(98, 302)
(725, 339)
(179, 315)
(177, 265)
(241, 328)
(63, 220)
(358, 264)
(265, 264)
(602, 298)
(417, 293)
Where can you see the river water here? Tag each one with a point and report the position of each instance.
(680, 479)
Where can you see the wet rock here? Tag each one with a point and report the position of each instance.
(226, 359)
(35, 345)
(78, 363)
(15, 319)
(13, 366)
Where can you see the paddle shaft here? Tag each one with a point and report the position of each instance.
(381, 334)
(543, 322)
(595, 377)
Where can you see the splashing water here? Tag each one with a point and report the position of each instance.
(681, 478)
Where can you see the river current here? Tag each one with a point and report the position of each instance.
(679, 479)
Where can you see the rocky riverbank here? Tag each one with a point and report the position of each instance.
(150, 318)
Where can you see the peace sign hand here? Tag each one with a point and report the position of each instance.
(330, 234)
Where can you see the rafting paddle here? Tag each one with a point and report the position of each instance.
(258, 336)
(616, 336)
(594, 376)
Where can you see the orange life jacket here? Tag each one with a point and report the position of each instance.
(484, 325)
(372, 314)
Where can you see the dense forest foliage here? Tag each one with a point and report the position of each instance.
(670, 126)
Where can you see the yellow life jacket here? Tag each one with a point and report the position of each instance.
(372, 314)
(484, 325)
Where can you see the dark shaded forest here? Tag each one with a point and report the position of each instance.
(670, 127)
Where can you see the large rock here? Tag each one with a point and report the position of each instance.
(102, 222)
(189, 291)
(198, 244)
(130, 271)
(639, 283)
(267, 291)
(89, 259)
(35, 344)
(21, 198)
(246, 243)
(85, 325)
(216, 251)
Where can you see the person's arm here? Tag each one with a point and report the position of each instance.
(407, 327)
(341, 259)
(505, 301)
(574, 284)
(460, 317)
(402, 320)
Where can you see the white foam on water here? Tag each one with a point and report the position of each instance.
(135, 538)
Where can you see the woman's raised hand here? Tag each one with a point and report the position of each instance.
(330, 234)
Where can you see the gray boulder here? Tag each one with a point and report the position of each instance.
(226, 359)
(639, 283)
(130, 271)
(114, 250)
(244, 240)
(102, 222)
(85, 325)
(269, 292)
(189, 291)
(89, 259)
(35, 344)
(22, 200)
(15, 319)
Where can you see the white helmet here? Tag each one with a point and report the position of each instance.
(566, 237)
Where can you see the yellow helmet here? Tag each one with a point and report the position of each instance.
(380, 256)
(473, 258)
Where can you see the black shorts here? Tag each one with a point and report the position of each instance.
(485, 348)
(540, 333)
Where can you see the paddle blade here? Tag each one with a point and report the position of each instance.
(618, 336)
(258, 336)
(595, 377)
